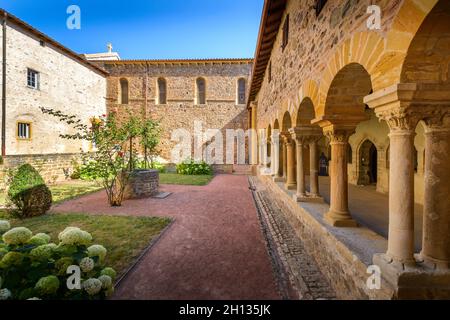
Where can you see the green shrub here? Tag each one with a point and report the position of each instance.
(28, 192)
(86, 171)
(155, 166)
(191, 167)
(39, 271)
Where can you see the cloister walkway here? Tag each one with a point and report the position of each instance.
(214, 250)
(371, 208)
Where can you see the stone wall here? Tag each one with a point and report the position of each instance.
(52, 167)
(65, 84)
(221, 110)
(342, 255)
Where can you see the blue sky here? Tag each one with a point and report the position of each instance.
(149, 29)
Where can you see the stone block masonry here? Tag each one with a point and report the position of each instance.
(221, 111)
(142, 184)
(52, 167)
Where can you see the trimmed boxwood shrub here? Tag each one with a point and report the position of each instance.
(28, 192)
(191, 167)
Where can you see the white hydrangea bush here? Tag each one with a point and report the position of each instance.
(33, 268)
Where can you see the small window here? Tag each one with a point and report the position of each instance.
(319, 6)
(285, 32)
(42, 43)
(123, 91)
(270, 71)
(32, 79)
(241, 91)
(23, 130)
(201, 91)
(162, 91)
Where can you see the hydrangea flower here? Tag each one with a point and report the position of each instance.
(43, 252)
(4, 226)
(42, 236)
(97, 250)
(19, 235)
(3, 252)
(87, 264)
(109, 272)
(37, 241)
(5, 294)
(11, 259)
(47, 285)
(92, 286)
(106, 281)
(62, 264)
(75, 236)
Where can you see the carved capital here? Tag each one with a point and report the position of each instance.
(286, 137)
(399, 119)
(439, 120)
(338, 135)
(305, 135)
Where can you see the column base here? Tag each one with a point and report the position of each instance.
(433, 263)
(308, 198)
(300, 197)
(291, 186)
(416, 281)
(340, 220)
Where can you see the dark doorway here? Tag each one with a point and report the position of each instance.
(373, 167)
(368, 163)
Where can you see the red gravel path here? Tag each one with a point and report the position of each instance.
(214, 250)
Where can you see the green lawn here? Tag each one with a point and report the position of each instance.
(174, 178)
(66, 190)
(124, 237)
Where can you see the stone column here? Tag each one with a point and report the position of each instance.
(401, 187)
(290, 160)
(300, 139)
(436, 215)
(275, 154)
(313, 169)
(339, 215)
(284, 159)
(301, 190)
(254, 135)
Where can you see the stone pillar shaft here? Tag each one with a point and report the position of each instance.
(339, 215)
(313, 169)
(401, 196)
(290, 160)
(284, 159)
(436, 216)
(300, 170)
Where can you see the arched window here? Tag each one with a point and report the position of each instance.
(123, 91)
(241, 91)
(162, 91)
(201, 91)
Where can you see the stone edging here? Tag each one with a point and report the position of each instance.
(143, 253)
(281, 277)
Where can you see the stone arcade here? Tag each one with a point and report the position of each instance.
(377, 104)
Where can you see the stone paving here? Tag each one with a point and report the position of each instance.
(213, 250)
(298, 275)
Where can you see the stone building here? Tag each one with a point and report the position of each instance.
(179, 93)
(375, 102)
(39, 72)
